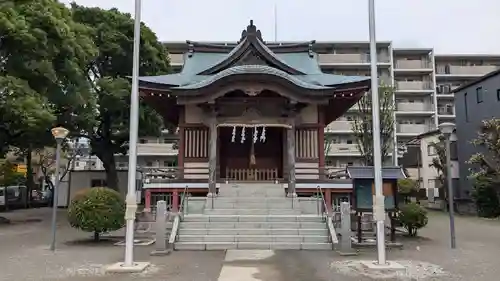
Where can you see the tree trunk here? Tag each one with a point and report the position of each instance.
(29, 177)
(108, 161)
(97, 237)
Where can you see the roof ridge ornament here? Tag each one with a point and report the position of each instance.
(251, 31)
(190, 48)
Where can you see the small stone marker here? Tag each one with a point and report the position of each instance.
(345, 230)
(161, 230)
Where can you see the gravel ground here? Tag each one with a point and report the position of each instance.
(24, 255)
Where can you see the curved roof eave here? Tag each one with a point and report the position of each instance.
(253, 69)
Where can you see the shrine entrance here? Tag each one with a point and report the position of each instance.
(251, 153)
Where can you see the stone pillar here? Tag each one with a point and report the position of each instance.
(290, 136)
(212, 158)
(161, 230)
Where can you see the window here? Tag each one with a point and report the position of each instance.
(98, 183)
(143, 141)
(466, 108)
(498, 95)
(349, 141)
(149, 164)
(479, 94)
(430, 150)
(168, 163)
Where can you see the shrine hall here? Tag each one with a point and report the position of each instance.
(251, 113)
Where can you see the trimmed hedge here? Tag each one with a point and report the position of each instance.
(97, 210)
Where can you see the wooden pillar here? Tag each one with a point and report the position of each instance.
(328, 200)
(291, 161)
(321, 141)
(175, 201)
(181, 143)
(212, 157)
(147, 200)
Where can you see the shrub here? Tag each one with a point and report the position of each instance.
(97, 210)
(412, 216)
(486, 198)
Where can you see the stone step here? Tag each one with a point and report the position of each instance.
(201, 246)
(253, 225)
(249, 200)
(254, 238)
(252, 218)
(253, 191)
(259, 205)
(263, 211)
(252, 231)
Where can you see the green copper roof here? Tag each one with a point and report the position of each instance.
(255, 69)
(206, 63)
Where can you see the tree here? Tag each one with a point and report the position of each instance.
(487, 163)
(486, 168)
(42, 54)
(407, 187)
(45, 160)
(22, 110)
(107, 128)
(439, 163)
(363, 125)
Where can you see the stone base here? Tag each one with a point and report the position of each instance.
(161, 253)
(138, 242)
(347, 253)
(119, 267)
(388, 266)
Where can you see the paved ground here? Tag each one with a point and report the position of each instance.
(24, 255)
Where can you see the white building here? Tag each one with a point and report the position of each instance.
(419, 156)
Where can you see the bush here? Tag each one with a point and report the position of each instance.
(486, 198)
(97, 210)
(412, 216)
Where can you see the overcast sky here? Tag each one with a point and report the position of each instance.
(450, 26)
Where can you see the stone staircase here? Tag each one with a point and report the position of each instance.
(252, 216)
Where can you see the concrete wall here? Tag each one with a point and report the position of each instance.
(78, 180)
(469, 115)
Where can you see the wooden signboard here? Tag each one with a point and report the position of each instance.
(364, 191)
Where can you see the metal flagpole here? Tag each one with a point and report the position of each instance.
(132, 156)
(275, 22)
(378, 202)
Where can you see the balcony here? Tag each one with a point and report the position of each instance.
(412, 129)
(465, 70)
(413, 65)
(339, 149)
(176, 59)
(446, 111)
(339, 126)
(348, 59)
(156, 149)
(413, 86)
(413, 107)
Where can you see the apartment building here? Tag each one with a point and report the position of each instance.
(422, 79)
(152, 152)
